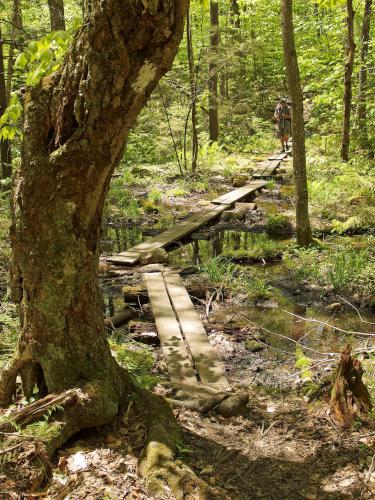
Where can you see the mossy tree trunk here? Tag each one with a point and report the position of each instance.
(304, 237)
(75, 127)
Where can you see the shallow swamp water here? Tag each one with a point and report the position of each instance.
(278, 325)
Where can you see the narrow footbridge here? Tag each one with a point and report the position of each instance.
(188, 353)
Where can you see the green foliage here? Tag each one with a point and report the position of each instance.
(44, 56)
(278, 225)
(341, 194)
(259, 246)
(122, 201)
(138, 361)
(10, 119)
(345, 267)
(303, 363)
(154, 195)
(220, 270)
(224, 272)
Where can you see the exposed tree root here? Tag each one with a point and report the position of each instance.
(206, 399)
(157, 462)
(45, 425)
(8, 380)
(349, 394)
(52, 421)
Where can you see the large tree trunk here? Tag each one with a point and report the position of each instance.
(76, 124)
(304, 236)
(193, 95)
(57, 15)
(213, 73)
(350, 51)
(362, 91)
(5, 149)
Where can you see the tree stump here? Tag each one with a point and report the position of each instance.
(349, 394)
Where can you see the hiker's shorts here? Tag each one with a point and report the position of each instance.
(283, 128)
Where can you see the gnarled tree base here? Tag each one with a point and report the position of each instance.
(45, 425)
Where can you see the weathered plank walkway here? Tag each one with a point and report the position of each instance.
(189, 356)
(218, 205)
(131, 256)
(266, 168)
(238, 194)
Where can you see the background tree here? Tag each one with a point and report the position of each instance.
(350, 51)
(362, 91)
(213, 71)
(5, 146)
(303, 228)
(193, 94)
(57, 15)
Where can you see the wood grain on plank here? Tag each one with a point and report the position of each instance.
(178, 361)
(207, 364)
(238, 194)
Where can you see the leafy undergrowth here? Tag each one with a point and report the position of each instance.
(342, 195)
(259, 247)
(138, 360)
(226, 274)
(347, 267)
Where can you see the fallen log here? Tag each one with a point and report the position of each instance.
(144, 332)
(119, 319)
(349, 395)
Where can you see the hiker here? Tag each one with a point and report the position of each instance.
(283, 118)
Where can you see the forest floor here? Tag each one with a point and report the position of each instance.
(286, 446)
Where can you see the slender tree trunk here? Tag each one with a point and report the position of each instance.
(362, 92)
(5, 149)
(193, 94)
(350, 51)
(213, 74)
(235, 14)
(76, 124)
(304, 236)
(15, 36)
(57, 15)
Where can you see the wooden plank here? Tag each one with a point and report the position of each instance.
(279, 156)
(179, 364)
(177, 232)
(238, 194)
(210, 369)
(268, 170)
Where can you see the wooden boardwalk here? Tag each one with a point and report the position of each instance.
(266, 169)
(238, 194)
(188, 353)
(218, 205)
(132, 256)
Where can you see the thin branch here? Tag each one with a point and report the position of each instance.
(170, 130)
(357, 310)
(290, 339)
(313, 320)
